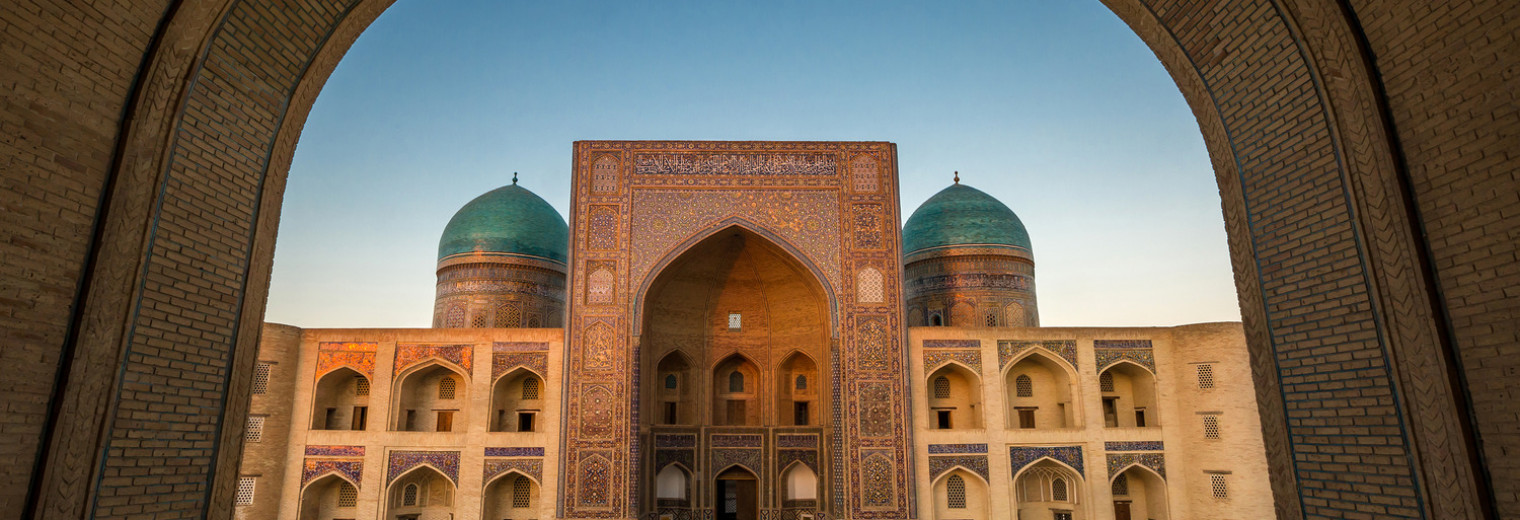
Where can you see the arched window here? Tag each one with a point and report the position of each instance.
(936, 320)
(1024, 386)
(409, 495)
(347, 495)
(941, 387)
(955, 492)
(802, 382)
(736, 381)
(530, 388)
(521, 489)
(670, 382)
(361, 385)
(670, 483)
(1106, 382)
(1058, 490)
(446, 388)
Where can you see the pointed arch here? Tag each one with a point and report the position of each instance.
(795, 253)
(510, 400)
(416, 404)
(336, 400)
(1068, 467)
(1118, 362)
(800, 481)
(325, 475)
(673, 482)
(955, 397)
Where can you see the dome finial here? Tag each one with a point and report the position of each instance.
(957, 177)
(514, 178)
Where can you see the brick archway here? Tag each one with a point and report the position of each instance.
(1363, 149)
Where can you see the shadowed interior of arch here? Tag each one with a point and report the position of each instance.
(736, 334)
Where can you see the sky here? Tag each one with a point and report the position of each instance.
(1054, 107)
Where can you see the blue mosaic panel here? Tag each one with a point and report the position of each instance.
(797, 441)
(976, 463)
(1106, 352)
(1020, 456)
(514, 452)
(664, 458)
(1118, 461)
(1133, 446)
(675, 441)
(736, 441)
(947, 449)
(313, 468)
(530, 467)
(809, 457)
(400, 462)
(750, 459)
(971, 358)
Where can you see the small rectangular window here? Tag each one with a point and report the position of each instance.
(245, 491)
(800, 414)
(1026, 418)
(1220, 486)
(525, 421)
(670, 413)
(261, 377)
(501, 421)
(330, 420)
(445, 420)
(1211, 426)
(942, 419)
(1139, 417)
(361, 386)
(736, 413)
(411, 421)
(361, 418)
(734, 321)
(255, 431)
(1205, 376)
(1110, 413)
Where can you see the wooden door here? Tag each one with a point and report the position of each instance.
(1121, 510)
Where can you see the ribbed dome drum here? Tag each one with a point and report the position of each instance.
(968, 263)
(502, 263)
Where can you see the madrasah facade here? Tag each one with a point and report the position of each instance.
(741, 330)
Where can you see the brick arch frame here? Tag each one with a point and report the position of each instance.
(1323, 173)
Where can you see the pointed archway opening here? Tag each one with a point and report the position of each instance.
(329, 498)
(735, 335)
(737, 495)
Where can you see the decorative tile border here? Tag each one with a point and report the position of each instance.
(1063, 348)
(933, 359)
(358, 356)
(736, 441)
(808, 457)
(797, 441)
(514, 452)
(520, 346)
(501, 363)
(950, 449)
(938, 465)
(663, 458)
(675, 441)
(1106, 352)
(313, 468)
(1134, 446)
(1118, 461)
(400, 462)
(1020, 456)
(530, 467)
(411, 354)
(953, 343)
(335, 451)
(724, 458)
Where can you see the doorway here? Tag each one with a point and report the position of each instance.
(736, 498)
(1121, 510)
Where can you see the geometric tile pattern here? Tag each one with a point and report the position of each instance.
(514, 452)
(408, 355)
(1118, 461)
(951, 449)
(313, 468)
(1133, 446)
(530, 467)
(335, 451)
(1020, 456)
(1063, 348)
(358, 356)
(938, 464)
(1108, 352)
(971, 358)
(446, 462)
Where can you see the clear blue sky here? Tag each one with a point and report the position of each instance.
(1054, 107)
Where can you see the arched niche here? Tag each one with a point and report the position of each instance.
(735, 301)
(1141, 492)
(329, 497)
(800, 486)
(673, 391)
(517, 401)
(673, 486)
(423, 492)
(340, 401)
(511, 496)
(1049, 404)
(960, 494)
(736, 494)
(798, 398)
(736, 390)
(954, 398)
(1047, 487)
(432, 397)
(1128, 396)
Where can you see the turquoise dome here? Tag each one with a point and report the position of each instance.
(509, 219)
(962, 215)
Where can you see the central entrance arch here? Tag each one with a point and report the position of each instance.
(736, 334)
